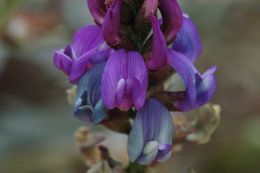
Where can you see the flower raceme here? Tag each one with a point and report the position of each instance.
(111, 65)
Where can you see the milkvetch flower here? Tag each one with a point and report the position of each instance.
(124, 81)
(199, 87)
(151, 136)
(85, 50)
(89, 106)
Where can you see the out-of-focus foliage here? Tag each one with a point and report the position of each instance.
(206, 121)
(198, 125)
(6, 9)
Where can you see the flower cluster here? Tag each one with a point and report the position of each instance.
(121, 62)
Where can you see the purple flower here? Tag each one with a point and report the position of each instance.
(89, 106)
(151, 136)
(85, 51)
(199, 88)
(124, 82)
(188, 41)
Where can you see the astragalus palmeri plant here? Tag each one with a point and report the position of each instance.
(134, 73)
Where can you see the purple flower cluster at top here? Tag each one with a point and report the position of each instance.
(111, 73)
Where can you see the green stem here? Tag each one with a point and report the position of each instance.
(136, 168)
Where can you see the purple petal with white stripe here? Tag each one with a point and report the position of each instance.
(188, 40)
(151, 136)
(124, 81)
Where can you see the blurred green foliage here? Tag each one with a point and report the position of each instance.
(6, 8)
(238, 158)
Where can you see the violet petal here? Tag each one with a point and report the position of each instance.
(63, 61)
(172, 18)
(86, 61)
(113, 72)
(124, 81)
(97, 9)
(188, 40)
(198, 88)
(186, 70)
(206, 87)
(160, 50)
(86, 39)
(137, 70)
(111, 24)
(164, 152)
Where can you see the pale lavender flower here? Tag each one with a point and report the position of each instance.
(151, 136)
(88, 105)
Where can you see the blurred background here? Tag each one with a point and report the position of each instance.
(36, 123)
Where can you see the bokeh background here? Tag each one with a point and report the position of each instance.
(36, 123)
